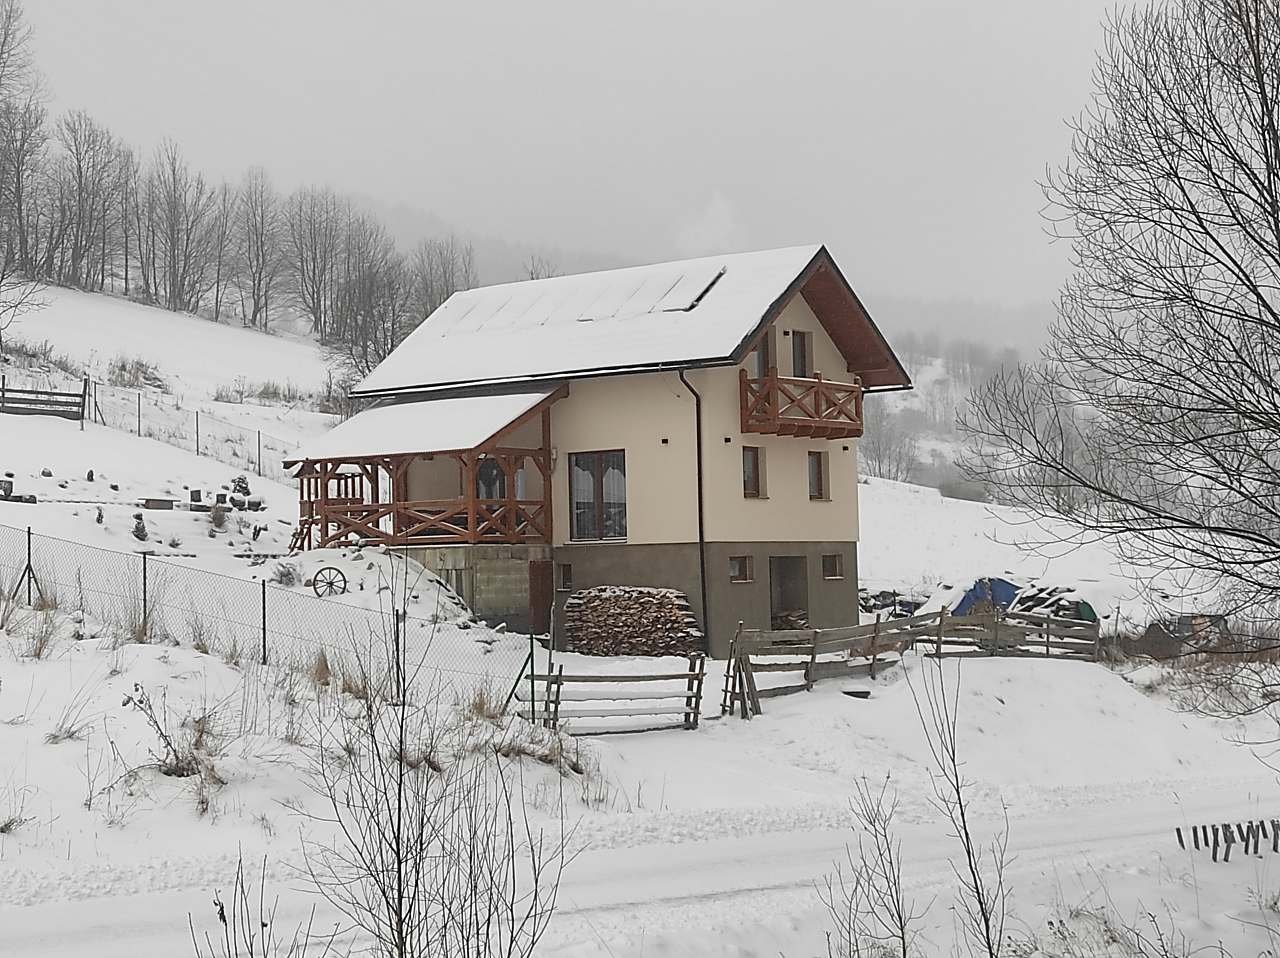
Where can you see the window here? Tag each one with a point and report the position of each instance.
(753, 472)
(564, 577)
(818, 475)
(598, 495)
(833, 566)
(741, 569)
(801, 354)
(764, 355)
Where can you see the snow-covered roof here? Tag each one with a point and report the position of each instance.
(672, 315)
(432, 425)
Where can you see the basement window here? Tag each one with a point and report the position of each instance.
(833, 566)
(564, 577)
(741, 569)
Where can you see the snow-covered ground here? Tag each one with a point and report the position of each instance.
(913, 540)
(704, 842)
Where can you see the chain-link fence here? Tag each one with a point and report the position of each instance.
(145, 599)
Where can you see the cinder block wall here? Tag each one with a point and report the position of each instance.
(492, 579)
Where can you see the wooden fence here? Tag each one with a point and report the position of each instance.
(810, 655)
(44, 402)
(556, 698)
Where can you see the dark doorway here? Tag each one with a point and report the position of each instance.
(541, 595)
(788, 592)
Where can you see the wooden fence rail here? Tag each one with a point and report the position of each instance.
(44, 402)
(816, 654)
(567, 697)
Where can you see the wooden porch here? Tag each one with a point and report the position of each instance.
(497, 493)
(816, 407)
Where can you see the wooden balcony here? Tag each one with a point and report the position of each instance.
(800, 407)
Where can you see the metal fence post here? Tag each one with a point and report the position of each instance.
(139, 412)
(30, 574)
(533, 667)
(259, 452)
(146, 616)
(264, 621)
(197, 432)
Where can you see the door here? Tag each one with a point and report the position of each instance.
(788, 592)
(541, 595)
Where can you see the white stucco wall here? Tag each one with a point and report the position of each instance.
(636, 413)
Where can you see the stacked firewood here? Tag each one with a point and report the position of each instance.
(629, 620)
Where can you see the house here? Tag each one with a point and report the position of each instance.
(688, 425)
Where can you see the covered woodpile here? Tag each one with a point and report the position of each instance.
(629, 620)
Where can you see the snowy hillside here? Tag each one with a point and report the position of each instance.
(193, 356)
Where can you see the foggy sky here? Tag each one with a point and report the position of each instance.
(908, 135)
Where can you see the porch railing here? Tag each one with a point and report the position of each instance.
(815, 407)
(434, 521)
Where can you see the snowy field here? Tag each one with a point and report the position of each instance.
(689, 843)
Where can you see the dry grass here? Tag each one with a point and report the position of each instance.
(41, 636)
(320, 673)
(485, 704)
(355, 684)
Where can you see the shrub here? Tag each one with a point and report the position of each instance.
(135, 373)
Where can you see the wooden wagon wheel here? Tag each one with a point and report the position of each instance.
(329, 581)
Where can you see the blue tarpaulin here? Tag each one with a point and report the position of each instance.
(998, 592)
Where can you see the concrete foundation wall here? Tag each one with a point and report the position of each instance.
(832, 602)
(492, 579)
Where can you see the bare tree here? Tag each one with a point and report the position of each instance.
(88, 185)
(887, 449)
(434, 852)
(538, 266)
(373, 302)
(983, 899)
(441, 267)
(314, 221)
(174, 214)
(261, 226)
(222, 233)
(866, 899)
(1156, 409)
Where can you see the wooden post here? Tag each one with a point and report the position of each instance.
(942, 617)
(875, 645)
(730, 674)
(84, 403)
(690, 713)
(555, 715)
(264, 621)
(995, 633)
(469, 490)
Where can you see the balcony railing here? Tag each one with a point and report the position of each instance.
(801, 407)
